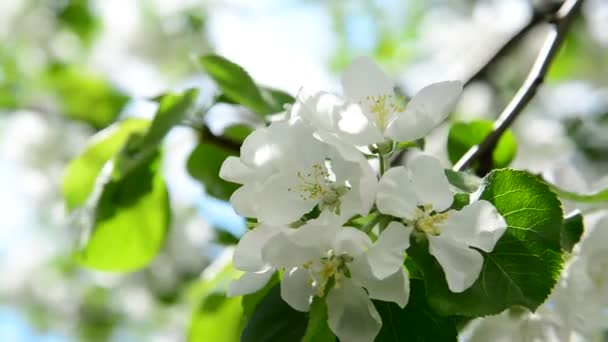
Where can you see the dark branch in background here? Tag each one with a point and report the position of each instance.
(206, 136)
(482, 152)
(541, 15)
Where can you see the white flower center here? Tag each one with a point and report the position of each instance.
(330, 267)
(427, 220)
(320, 184)
(383, 107)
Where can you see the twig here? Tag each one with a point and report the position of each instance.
(561, 23)
(538, 17)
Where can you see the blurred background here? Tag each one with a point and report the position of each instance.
(68, 68)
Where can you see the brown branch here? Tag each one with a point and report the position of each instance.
(539, 16)
(561, 23)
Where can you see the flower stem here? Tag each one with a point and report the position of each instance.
(382, 162)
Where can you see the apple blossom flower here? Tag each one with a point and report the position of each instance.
(370, 111)
(286, 171)
(324, 259)
(421, 197)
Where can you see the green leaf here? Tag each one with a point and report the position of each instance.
(275, 320)
(416, 322)
(238, 87)
(204, 165)
(463, 180)
(463, 136)
(172, 109)
(77, 16)
(226, 238)
(131, 221)
(80, 175)
(217, 318)
(572, 231)
(318, 329)
(234, 82)
(593, 197)
(276, 99)
(250, 302)
(237, 132)
(525, 263)
(84, 95)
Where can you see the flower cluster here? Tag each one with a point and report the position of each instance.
(306, 178)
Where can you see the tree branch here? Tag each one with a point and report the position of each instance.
(539, 16)
(561, 23)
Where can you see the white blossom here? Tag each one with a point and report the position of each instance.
(324, 259)
(286, 171)
(371, 112)
(421, 197)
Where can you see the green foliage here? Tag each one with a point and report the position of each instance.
(525, 263)
(589, 134)
(416, 322)
(463, 136)
(318, 329)
(172, 110)
(237, 132)
(130, 221)
(463, 180)
(204, 165)
(572, 231)
(77, 16)
(84, 96)
(216, 317)
(81, 173)
(238, 87)
(597, 196)
(275, 320)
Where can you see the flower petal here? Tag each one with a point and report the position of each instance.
(247, 255)
(249, 282)
(396, 195)
(430, 182)
(351, 241)
(460, 263)
(386, 255)
(365, 78)
(330, 113)
(296, 289)
(428, 108)
(233, 170)
(282, 252)
(279, 200)
(243, 202)
(478, 224)
(393, 288)
(351, 314)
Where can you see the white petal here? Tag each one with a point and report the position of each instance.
(249, 282)
(478, 224)
(243, 202)
(296, 289)
(386, 255)
(282, 252)
(248, 252)
(351, 241)
(330, 113)
(393, 288)
(233, 170)
(396, 194)
(279, 200)
(430, 182)
(407, 126)
(460, 263)
(259, 150)
(351, 314)
(364, 78)
(429, 107)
